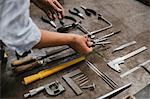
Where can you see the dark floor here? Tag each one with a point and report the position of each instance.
(129, 16)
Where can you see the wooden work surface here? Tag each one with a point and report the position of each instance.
(129, 16)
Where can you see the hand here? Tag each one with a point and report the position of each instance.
(80, 44)
(52, 8)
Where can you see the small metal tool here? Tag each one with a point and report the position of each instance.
(71, 83)
(124, 46)
(107, 79)
(93, 43)
(91, 87)
(50, 21)
(115, 91)
(100, 17)
(110, 34)
(76, 12)
(52, 89)
(114, 64)
(84, 83)
(88, 12)
(136, 68)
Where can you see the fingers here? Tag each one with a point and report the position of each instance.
(57, 8)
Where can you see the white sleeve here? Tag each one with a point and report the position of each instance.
(17, 30)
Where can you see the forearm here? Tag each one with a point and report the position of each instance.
(50, 39)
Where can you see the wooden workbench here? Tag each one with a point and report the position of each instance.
(129, 16)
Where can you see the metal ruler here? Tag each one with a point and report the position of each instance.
(135, 68)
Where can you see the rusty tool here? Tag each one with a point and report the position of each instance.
(71, 83)
(34, 56)
(42, 62)
(91, 87)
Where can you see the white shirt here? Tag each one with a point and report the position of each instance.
(17, 30)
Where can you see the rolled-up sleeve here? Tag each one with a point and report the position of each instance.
(18, 31)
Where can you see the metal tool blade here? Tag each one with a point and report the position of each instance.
(124, 46)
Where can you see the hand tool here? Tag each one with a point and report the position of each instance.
(49, 21)
(71, 83)
(52, 89)
(91, 87)
(105, 28)
(107, 79)
(43, 62)
(76, 12)
(106, 96)
(35, 56)
(114, 64)
(124, 46)
(88, 12)
(78, 77)
(81, 78)
(67, 28)
(84, 30)
(108, 35)
(84, 83)
(68, 18)
(48, 72)
(136, 68)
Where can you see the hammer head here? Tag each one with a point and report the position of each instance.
(114, 64)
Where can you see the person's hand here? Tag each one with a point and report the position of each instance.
(52, 8)
(80, 44)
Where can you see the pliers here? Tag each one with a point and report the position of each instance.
(76, 12)
(50, 21)
(88, 12)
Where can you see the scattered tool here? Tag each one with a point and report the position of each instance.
(114, 64)
(34, 56)
(100, 17)
(88, 12)
(49, 21)
(67, 27)
(136, 68)
(124, 46)
(76, 12)
(71, 83)
(84, 30)
(84, 83)
(107, 79)
(93, 43)
(42, 62)
(106, 96)
(52, 89)
(48, 72)
(91, 87)
(110, 34)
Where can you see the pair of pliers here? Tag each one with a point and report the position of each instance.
(76, 12)
(88, 11)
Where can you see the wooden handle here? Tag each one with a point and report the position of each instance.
(26, 67)
(22, 61)
(48, 72)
